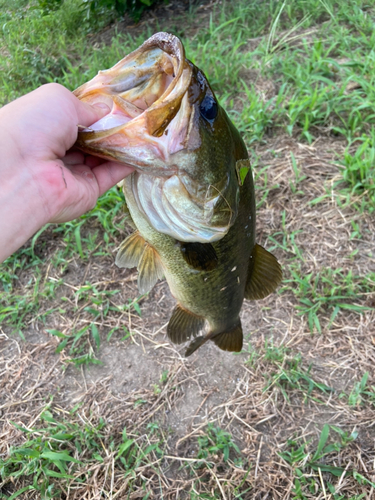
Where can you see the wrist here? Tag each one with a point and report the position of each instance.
(22, 212)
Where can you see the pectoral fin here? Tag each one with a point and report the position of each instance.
(150, 269)
(264, 274)
(183, 325)
(130, 251)
(136, 252)
(199, 256)
(127, 216)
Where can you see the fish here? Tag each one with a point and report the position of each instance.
(190, 199)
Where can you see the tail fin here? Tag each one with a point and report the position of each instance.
(229, 340)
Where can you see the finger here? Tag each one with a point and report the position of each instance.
(79, 193)
(88, 114)
(108, 174)
(74, 158)
(94, 161)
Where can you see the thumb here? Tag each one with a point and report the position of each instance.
(88, 114)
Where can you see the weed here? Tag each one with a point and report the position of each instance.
(135, 7)
(79, 346)
(216, 442)
(358, 168)
(16, 309)
(362, 393)
(327, 290)
(290, 375)
(305, 463)
(48, 454)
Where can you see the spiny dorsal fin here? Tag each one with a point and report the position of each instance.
(231, 340)
(199, 256)
(183, 325)
(150, 269)
(264, 274)
(130, 251)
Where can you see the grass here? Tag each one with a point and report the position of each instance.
(297, 78)
(331, 290)
(290, 376)
(302, 460)
(361, 393)
(47, 455)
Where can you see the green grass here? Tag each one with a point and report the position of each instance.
(362, 393)
(303, 69)
(80, 346)
(329, 291)
(288, 375)
(60, 454)
(311, 85)
(217, 441)
(311, 464)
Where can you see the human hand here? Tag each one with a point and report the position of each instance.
(41, 179)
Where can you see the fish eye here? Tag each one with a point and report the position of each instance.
(208, 108)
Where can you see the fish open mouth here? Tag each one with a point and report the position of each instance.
(153, 126)
(150, 113)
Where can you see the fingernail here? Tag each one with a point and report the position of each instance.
(102, 106)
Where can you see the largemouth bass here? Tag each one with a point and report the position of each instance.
(191, 198)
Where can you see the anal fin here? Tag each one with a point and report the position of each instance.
(183, 325)
(264, 274)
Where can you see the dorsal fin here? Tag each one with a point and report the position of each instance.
(264, 274)
(130, 251)
(183, 325)
(150, 269)
(199, 256)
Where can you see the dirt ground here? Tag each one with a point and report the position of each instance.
(215, 386)
(244, 393)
